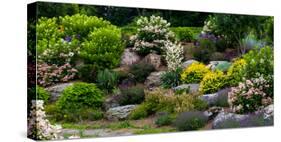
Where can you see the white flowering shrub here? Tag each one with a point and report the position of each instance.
(250, 96)
(39, 127)
(173, 55)
(152, 33)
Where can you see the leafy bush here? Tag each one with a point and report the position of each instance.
(87, 73)
(164, 119)
(50, 74)
(107, 80)
(171, 79)
(250, 95)
(42, 94)
(249, 42)
(213, 82)
(103, 48)
(235, 72)
(259, 62)
(194, 73)
(80, 96)
(173, 55)
(133, 95)
(139, 112)
(193, 120)
(217, 56)
(206, 46)
(151, 35)
(185, 34)
(141, 71)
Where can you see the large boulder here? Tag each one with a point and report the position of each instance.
(119, 113)
(187, 63)
(129, 57)
(153, 59)
(263, 117)
(220, 65)
(219, 98)
(153, 80)
(56, 90)
(192, 88)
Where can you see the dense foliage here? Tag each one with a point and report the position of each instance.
(213, 82)
(194, 73)
(192, 120)
(107, 80)
(141, 71)
(171, 79)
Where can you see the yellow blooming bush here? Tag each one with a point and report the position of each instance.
(194, 73)
(235, 73)
(213, 82)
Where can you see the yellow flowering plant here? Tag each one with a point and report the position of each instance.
(212, 82)
(194, 73)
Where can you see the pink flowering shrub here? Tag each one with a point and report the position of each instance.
(50, 74)
(250, 96)
(39, 127)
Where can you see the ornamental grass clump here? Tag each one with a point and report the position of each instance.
(250, 96)
(39, 128)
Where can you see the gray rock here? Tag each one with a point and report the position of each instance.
(213, 111)
(129, 57)
(231, 120)
(193, 88)
(153, 80)
(56, 90)
(219, 98)
(187, 63)
(153, 59)
(119, 113)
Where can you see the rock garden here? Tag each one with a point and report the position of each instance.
(97, 79)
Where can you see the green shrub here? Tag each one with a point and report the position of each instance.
(213, 82)
(90, 114)
(42, 94)
(141, 71)
(107, 80)
(204, 50)
(235, 72)
(133, 95)
(193, 120)
(171, 79)
(139, 112)
(184, 34)
(194, 73)
(164, 119)
(103, 48)
(87, 73)
(217, 56)
(259, 62)
(80, 96)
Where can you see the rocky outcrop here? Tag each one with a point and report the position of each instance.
(56, 90)
(192, 88)
(187, 63)
(153, 59)
(153, 80)
(231, 120)
(119, 113)
(129, 57)
(219, 98)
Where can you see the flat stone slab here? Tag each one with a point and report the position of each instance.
(56, 90)
(119, 113)
(193, 88)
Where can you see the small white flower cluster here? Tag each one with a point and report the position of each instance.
(39, 127)
(153, 32)
(250, 96)
(208, 26)
(174, 55)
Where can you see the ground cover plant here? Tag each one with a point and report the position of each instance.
(110, 71)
